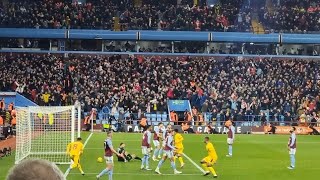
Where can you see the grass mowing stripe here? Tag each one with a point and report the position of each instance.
(195, 164)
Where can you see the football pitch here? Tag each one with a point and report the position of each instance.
(255, 157)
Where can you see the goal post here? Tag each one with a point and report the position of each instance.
(44, 132)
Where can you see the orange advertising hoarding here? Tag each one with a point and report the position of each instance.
(286, 130)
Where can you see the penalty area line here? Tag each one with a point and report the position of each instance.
(84, 145)
(195, 164)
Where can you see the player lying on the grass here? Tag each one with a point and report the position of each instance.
(108, 156)
(211, 159)
(231, 136)
(178, 144)
(75, 150)
(157, 138)
(126, 157)
(145, 146)
(292, 144)
(168, 153)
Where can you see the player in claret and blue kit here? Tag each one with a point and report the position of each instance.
(231, 136)
(168, 153)
(292, 145)
(145, 145)
(108, 156)
(157, 138)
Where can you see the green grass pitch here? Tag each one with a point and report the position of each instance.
(255, 157)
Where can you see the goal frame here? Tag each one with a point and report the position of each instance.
(75, 131)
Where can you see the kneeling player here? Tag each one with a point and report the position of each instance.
(126, 157)
(210, 160)
(168, 153)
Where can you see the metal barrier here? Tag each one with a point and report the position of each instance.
(160, 35)
(159, 54)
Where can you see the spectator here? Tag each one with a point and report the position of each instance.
(292, 16)
(99, 14)
(143, 123)
(272, 128)
(186, 127)
(31, 169)
(46, 98)
(225, 86)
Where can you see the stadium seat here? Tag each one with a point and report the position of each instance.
(159, 117)
(154, 118)
(164, 117)
(148, 116)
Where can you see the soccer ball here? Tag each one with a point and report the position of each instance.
(99, 159)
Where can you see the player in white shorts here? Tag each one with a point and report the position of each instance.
(165, 134)
(145, 146)
(168, 153)
(231, 136)
(292, 147)
(157, 137)
(108, 156)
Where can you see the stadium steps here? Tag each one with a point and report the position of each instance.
(257, 27)
(116, 24)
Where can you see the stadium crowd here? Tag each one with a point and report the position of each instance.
(299, 16)
(151, 15)
(229, 15)
(232, 86)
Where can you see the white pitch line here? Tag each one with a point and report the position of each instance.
(146, 174)
(242, 141)
(84, 145)
(195, 164)
(87, 140)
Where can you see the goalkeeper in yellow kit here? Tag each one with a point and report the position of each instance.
(75, 150)
(210, 160)
(178, 139)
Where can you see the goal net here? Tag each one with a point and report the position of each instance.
(44, 132)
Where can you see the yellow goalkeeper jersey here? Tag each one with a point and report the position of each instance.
(178, 141)
(211, 151)
(75, 148)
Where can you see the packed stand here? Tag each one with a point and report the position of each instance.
(8, 120)
(232, 87)
(152, 15)
(295, 16)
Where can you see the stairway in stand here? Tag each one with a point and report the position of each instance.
(257, 27)
(256, 24)
(116, 24)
